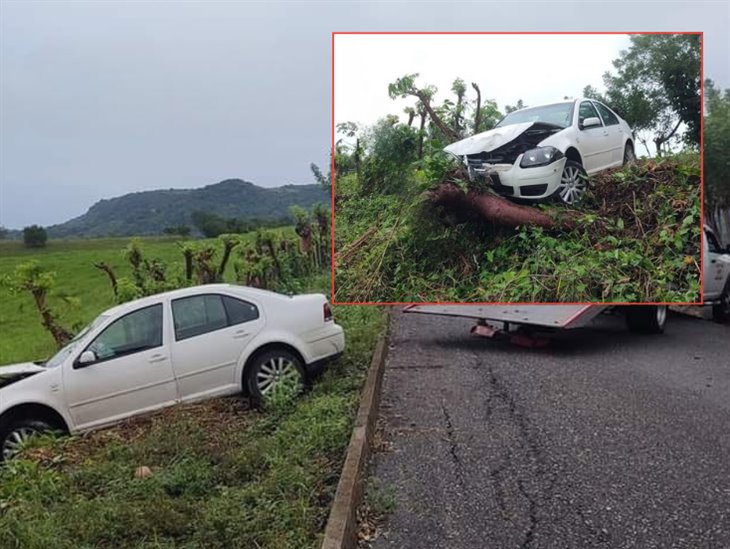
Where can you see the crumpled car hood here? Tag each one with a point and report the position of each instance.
(489, 140)
(21, 368)
(15, 372)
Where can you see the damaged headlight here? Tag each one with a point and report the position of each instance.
(541, 156)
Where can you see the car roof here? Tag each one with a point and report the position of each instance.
(191, 291)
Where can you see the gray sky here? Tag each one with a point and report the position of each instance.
(98, 99)
(506, 67)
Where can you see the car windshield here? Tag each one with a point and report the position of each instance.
(558, 114)
(65, 352)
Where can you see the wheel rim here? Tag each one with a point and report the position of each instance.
(661, 315)
(276, 373)
(572, 185)
(15, 441)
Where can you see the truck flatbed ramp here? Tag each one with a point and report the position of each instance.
(552, 316)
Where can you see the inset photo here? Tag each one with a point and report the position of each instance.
(517, 168)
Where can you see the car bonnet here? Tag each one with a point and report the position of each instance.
(489, 140)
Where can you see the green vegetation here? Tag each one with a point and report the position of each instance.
(215, 474)
(636, 239)
(656, 87)
(717, 144)
(211, 225)
(34, 236)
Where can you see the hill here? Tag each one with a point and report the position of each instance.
(149, 212)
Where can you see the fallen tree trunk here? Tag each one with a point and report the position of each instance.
(498, 210)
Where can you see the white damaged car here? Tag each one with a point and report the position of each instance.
(179, 346)
(540, 152)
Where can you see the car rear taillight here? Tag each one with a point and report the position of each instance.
(327, 312)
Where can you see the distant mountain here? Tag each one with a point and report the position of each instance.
(149, 212)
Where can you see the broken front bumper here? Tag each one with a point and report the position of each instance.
(536, 183)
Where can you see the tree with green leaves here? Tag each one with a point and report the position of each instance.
(405, 86)
(716, 159)
(35, 236)
(656, 86)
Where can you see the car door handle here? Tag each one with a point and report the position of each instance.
(156, 358)
(240, 334)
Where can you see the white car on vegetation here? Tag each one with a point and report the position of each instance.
(716, 276)
(178, 346)
(541, 152)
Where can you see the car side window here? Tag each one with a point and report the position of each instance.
(712, 244)
(586, 110)
(137, 331)
(239, 311)
(198, 315)
(609, 119)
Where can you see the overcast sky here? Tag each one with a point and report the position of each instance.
(98, 99)
(506, 67)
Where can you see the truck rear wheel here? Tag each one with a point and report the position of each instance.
(721, 309)
(646, 319)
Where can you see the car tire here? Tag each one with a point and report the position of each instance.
(629, 154)
(721, 309)
(16, 434)
(272, 370)
(646, 319)
(573, 183)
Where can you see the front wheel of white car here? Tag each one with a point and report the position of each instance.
(573, 183)
(629, 155)
(14, 438)
(274, 372)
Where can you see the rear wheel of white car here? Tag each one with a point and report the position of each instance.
(274, 372)
(646, 319)
(573, 183)
(629, 155)
(721, 309)
(16, 435)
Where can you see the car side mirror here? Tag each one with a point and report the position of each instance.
(86, 358)
(590, 122)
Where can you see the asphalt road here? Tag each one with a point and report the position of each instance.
(604, 439)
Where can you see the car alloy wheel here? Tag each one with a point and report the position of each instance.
(573, 183)
(16, 440)
(275, 374)
(275, 371)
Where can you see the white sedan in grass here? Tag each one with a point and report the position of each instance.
(178, 346)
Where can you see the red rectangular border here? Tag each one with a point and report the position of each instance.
(702, 170)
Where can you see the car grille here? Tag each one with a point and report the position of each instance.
(478, 170)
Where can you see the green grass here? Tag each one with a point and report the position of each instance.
(222, 475)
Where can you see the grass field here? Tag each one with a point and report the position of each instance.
(223, 475)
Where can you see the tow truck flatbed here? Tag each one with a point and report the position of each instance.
(550, 316)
